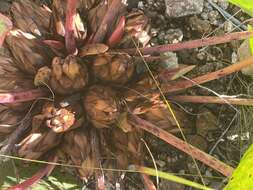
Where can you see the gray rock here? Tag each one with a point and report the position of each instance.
(179, 8)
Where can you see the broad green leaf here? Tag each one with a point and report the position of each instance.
(57, 180)
(242, 177)
(250, 28)
(245, 5)
(5, 27)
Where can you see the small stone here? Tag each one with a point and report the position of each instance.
(161, 35)
(201, 55)
(160, 163)
(206, 121)
(141, 5)
(199, 25)
(154, 32)
(179, 8)
(174, 35)
(213, 17)
(223, 4)
(197, 141)
(243, 53)
(170, 62)
(204, 15)
(234, 57)
(228, 26)
(208, 7)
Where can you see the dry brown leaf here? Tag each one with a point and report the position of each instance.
(57, 23)
(12, 79)
(76, 145)
(136, 28)
(9, 119)
(29, 53)
(38, 143)
(173, 74)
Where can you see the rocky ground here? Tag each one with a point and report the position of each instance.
(174, 21)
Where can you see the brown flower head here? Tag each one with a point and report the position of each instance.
(101, 106)
(59, 119)
(116, 68)
(65, 77)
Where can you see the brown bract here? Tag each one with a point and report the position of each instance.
(116, 68)
(123, 148)
(93, 49)
(12, 79)
(136, 28)
(141, 90)
(38, 143)
(159, 114)
(9, 120)
(28, 51)
(76, 145)
(101, 106)
(58, 18)
(86, 5)
(30, 17)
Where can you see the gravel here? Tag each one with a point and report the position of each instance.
(179, 8)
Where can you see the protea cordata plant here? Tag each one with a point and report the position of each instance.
(66, 66)
(52, 49)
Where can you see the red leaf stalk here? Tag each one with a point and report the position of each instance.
(25, 96)
(184, 146)
(117, 33)
(191, 44)
(212, 100)
(111, 14)
(182, 85)
(54, 44)
(70, 26)
(35, 178)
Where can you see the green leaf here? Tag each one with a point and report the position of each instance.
(250, 29)
(57, 180)
(5, 27)
(245, 5)
(242, 177)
